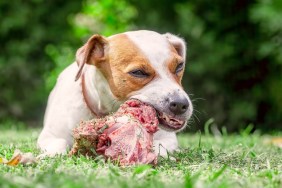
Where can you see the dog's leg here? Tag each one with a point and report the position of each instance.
(165, 142)
(53, 146)
(65, 109)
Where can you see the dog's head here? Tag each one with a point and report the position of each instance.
(144, 65)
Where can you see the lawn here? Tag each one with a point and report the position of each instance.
(243, 160)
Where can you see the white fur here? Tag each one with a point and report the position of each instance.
(165, 142)
(66, 106)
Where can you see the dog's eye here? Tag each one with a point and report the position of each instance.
(139, 73)
(179, 68)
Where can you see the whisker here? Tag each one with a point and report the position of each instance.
(197, 111)
(194, 115)
(191, 120)
(197, 99)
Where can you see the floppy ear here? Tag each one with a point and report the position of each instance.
(93, 52)
(178, 44)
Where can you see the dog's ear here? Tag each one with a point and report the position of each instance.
(93, 52)
(178, 44)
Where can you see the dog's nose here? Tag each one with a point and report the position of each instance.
(178, 106)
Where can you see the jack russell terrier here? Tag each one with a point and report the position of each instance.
(144, 65)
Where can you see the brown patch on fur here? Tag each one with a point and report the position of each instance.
(172, 64)
(123, 57)
(93, 52)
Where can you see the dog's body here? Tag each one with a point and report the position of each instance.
(142, 64)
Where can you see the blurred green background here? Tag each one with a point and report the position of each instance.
(234, 66)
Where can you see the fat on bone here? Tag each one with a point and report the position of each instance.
(125, 136)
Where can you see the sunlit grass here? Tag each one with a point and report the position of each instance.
(203, 161)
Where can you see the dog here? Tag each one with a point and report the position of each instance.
(143, 65)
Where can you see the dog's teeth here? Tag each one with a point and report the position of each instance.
(170, 121)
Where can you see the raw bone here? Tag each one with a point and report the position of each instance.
(125, 136)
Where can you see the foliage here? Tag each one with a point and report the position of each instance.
(27, 27)
(233, 75)
(234, 59)
(212, 161)
(268, 15)
(106, 17)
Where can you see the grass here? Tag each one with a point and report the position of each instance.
(244, 160)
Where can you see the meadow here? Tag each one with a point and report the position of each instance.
(203, 160)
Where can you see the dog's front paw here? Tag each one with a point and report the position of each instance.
(52, 147)
(164, 153)
(163, 149)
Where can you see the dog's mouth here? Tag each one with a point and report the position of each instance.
(166, 121)
(169, 123)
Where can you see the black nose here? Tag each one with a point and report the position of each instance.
(178, 106)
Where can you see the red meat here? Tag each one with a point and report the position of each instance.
(125, 136)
